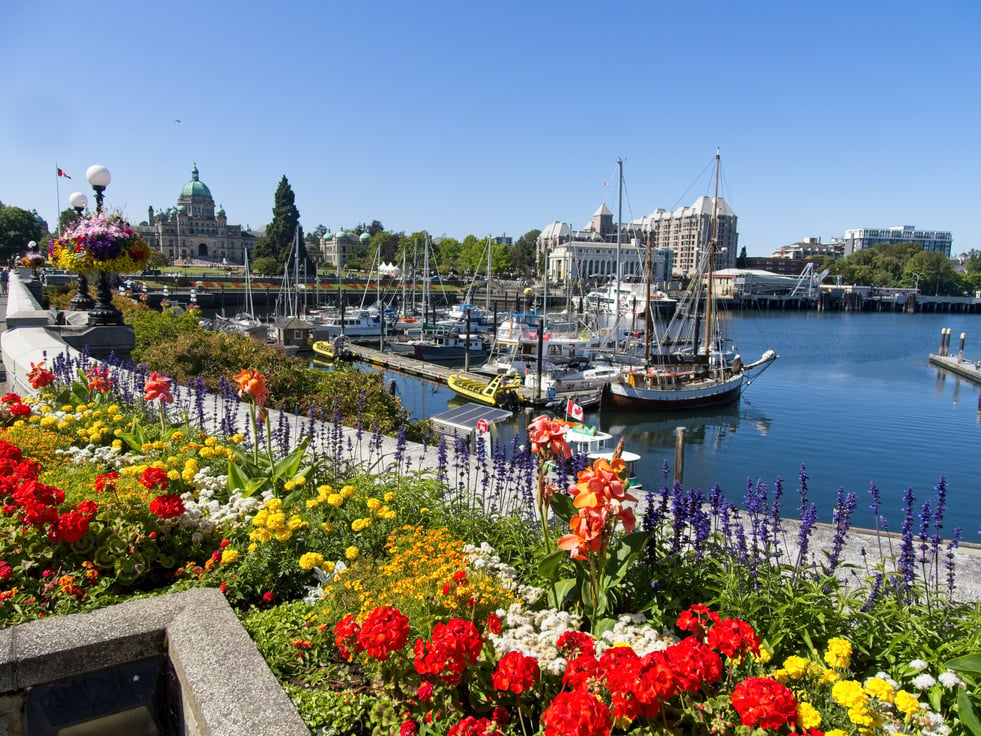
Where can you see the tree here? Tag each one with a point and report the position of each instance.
(277, 242)
(18, 227)
(524, 253)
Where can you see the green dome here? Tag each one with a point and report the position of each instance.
(195, 187)
(364, 237)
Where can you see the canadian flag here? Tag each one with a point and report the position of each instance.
(573, 410)
(62, 173)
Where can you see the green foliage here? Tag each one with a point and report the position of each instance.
(896, 265)
(159, 328)
(278, 241)
(17, 228)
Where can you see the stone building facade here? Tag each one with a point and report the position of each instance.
(195, 230)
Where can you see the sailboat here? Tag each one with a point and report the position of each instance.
(693, 365)
(244, 321)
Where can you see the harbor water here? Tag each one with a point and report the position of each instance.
(852, 399)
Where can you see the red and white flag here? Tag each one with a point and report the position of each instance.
(573, 410)
(62, 173)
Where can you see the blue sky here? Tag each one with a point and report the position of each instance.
(499, 117)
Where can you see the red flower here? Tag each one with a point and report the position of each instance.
(5, 570)
(157, 387)
(268, 597)
(39, 376)
(764, 702)
(154, 479)
(694, 663)
(98, 379)
(106, 482)
(167, 506)
(425, 692)
(493, 623)
(384, 631)
(87, 509)
(451, 648)
(408, 728)
(582, 673)
(20, 410)
(696, 618)
(70, 527)
(734, 638)
(516, 673)
(577, 713)
(346, 635)
(548, 433)
(575, 643)
(471, 726)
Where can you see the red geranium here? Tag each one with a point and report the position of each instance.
(384, 631)
(574, 643)
(577, 713)
(734, 638)
(167, 506)
(20, 410)
(70, 527)
(346, 635)
(106, 482)
(451, 648)
(154, 479)
(516, 673)
(471, 726)
(694, 663)
(696, 620)
(764, 702)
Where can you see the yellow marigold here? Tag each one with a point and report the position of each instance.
(300, 480)
(44, 409)
(274, 504)
(335, 499)
(907, 703)
(61, 425)
(296, 522)
(348, 491)
(253, 547)
(206, 452)
(424, 510)
(289, 485)
(839, 654)
(211, 441)
(67, 408)
(262, 536)
(228, 556)
(113, 409)
(808, 716)
(327, 527)
(146, 447)
(389, 515)
(389, 497)
(374, 504)
(282, 534)
(117, 444)
(276, 520)
(48, 421)
(848, 693)
(311, 560)
(835, 732)
(781, 676)
(863, 717)
(237, 438)
(827, 676)
(312, 503)
(351, 553)
(880, 689)
(328, 566)
(260, 518)
(796, 666)
(173, 475)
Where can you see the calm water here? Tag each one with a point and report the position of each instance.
(852, 398)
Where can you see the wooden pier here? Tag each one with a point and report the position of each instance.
(958, 364)
(439, 374)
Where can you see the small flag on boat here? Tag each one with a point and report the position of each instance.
(573, 410)
(62, 173)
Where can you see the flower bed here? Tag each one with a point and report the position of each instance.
(392, 601)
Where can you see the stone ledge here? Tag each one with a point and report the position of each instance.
(226, 686)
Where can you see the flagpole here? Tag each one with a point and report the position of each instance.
(58, 196)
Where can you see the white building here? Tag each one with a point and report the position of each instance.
(934, 241)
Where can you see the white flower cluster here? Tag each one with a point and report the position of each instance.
(483, 558)
(535, 633)
(91, 453)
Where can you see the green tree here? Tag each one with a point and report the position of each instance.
(18, 227)
(277, 242)
(524, 253)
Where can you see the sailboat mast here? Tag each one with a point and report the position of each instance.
(487, 284)
(711, 264)
(616, 301)
(648, 311)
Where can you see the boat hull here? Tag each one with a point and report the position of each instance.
(685, 396)
(436, 353)
(499, 391)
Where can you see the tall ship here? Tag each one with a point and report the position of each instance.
(694, 362)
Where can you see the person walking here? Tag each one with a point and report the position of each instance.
(4, 277)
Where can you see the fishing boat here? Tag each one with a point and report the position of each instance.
(500, 391)
(441, 344)
(362, 324)
(694, 364)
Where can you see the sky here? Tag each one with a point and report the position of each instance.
(490, 118)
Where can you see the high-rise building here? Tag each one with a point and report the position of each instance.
(193, 229)
(934, 241)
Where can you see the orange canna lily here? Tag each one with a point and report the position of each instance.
(158, 387)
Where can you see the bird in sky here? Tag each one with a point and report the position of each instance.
(176, 120)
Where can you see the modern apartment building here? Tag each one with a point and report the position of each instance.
(934, 241)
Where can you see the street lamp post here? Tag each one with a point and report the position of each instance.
(82, 301)
(104, 313)
(917, 274)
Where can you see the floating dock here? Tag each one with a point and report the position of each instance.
(957, 364)
(440, 373)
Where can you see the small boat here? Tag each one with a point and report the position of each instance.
(500, 391)
(594, 444)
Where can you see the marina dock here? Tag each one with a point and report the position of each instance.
(440, 373)
(957, 364)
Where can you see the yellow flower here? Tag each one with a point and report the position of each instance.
(907, 703)
(848, 693)
(880, 689)
(211, 441)
(228, 556)
(839, 654)
(296, 522)
(348, 491)
(253, 547)
(117, 444)
(311, 560)
(389, 497)
(808, 716)
(176, 436)
(796, 666)
(301, 481)
(328, 566)
(327, 527)
(274, 504)
(173, 475)
(289, 485)
(282, 534)
(335, 499)
(312, 502)
(374, 504)
(424, 510)
(835, 732)
(351, 553)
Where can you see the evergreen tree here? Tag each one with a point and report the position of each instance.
(277, 243)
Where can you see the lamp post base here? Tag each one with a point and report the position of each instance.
(82, 301)
(105, 313)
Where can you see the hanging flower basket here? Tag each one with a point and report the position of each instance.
(99, 243)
